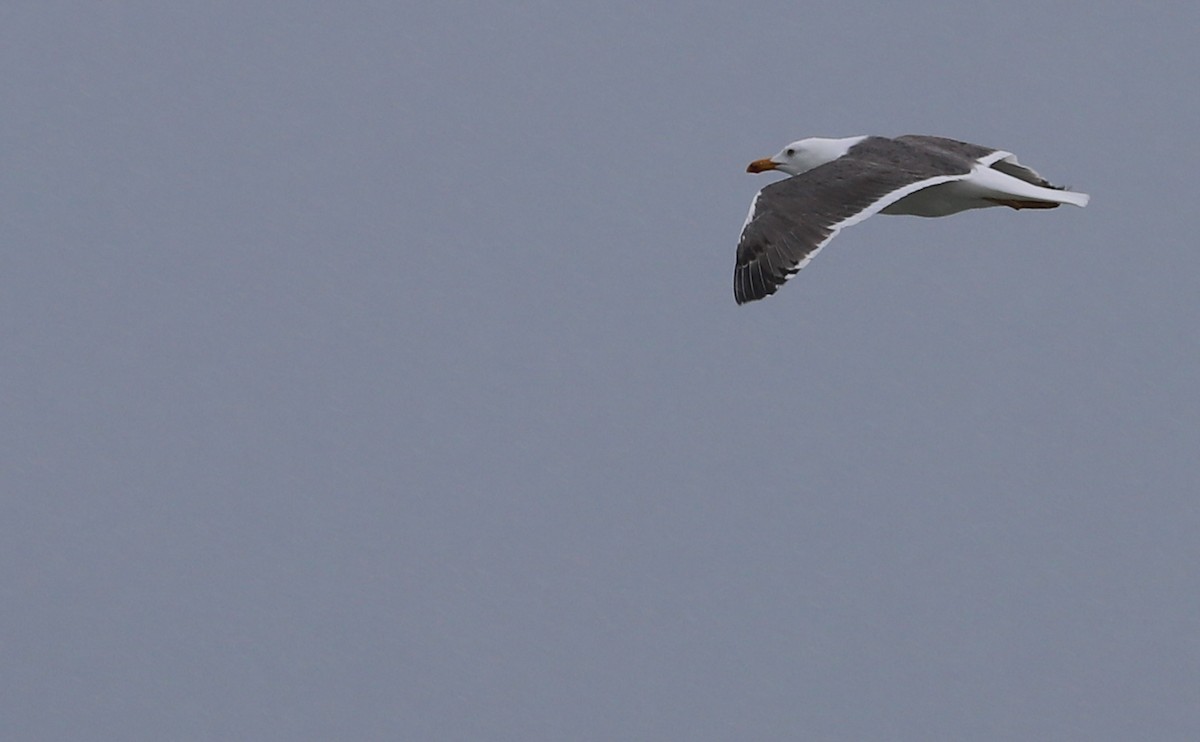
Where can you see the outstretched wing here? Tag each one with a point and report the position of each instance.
(791, 220)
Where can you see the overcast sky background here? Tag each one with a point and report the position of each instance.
(372, 371)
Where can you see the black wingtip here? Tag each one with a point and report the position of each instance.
(746, 289)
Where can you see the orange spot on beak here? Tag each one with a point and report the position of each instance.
(760, 166)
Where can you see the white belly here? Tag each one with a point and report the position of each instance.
(942, 200)
(979, 190)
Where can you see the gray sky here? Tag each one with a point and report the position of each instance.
(372, 371)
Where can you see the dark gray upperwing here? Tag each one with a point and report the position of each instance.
(793, 219)
(950, 146)
(975, 151)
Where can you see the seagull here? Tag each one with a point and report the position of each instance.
(835, 183)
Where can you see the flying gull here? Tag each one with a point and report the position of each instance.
(839, 182)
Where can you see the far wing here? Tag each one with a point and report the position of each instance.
(1005, 162)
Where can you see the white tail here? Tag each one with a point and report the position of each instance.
(1075, 198)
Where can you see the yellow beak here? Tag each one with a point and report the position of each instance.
(761, 166)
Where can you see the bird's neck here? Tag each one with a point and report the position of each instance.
(821, 151)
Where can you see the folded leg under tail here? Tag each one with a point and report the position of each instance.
(1021, 203)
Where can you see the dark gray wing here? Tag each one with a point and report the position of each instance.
(1005, 162)
(791, 220)
(973, 152)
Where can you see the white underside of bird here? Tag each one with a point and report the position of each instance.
(983, 188)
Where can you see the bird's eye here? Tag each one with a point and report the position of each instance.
(789, 152)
